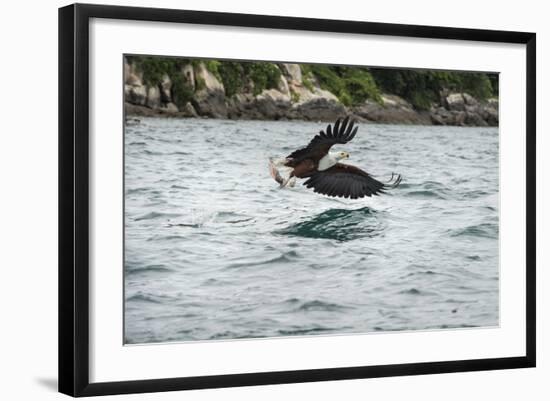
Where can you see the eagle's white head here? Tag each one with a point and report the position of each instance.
(341, 155)
(330, 159)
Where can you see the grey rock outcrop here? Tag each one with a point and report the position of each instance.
(392, 110)
(188, 110)
(293, 72)
(463, 109)
(455, 102)
(153, 97)
(311, 103)
(134, 90)
(136, 94)
(319, 105)
(209, 98)
(268, 105)
(273, 104)
(165, 87)
(188, 75)
(170, 108)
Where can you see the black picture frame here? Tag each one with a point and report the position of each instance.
(74, 198)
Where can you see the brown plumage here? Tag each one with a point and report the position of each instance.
(325, 174)
(322, 142)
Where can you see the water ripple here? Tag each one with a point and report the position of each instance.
(337, 224)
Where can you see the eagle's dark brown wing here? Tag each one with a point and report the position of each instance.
(342, 132)
(348, 181)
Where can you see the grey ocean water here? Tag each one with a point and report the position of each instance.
(215, 250)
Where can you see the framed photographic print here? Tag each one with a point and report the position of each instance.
(250, 199)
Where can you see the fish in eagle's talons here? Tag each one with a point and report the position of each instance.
(288, 182)
(323, 170)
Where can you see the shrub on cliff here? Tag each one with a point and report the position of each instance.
(422, 87)
(232, 77)
(352, 85)
(264, 75)
(181, 91)
(235, 75)
(154, 68)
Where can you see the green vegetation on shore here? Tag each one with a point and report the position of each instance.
(351, 85)
(422, 87)
(233, 75)
(155, 68)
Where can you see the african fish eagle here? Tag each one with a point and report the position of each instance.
(325, 174)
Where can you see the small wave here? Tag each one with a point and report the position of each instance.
(425, 194)
(475, 194)
(484, 230)
(166, 238)
(143, 298)
(224, 217)
(306, 331)
(460, 301)
(392, 329)
(152, 153)
(412, 291)
(291, 301)
(433, 185)
(171, 316)
(416, 292)
(148, 269)
(192, 225)
(214, 282)
(154, 215)
(285, 257)
(292, 254)
(240, 221)
(321, 306)
(227, 214)
(426, 189)
(138, 190)
(404, 185)
(455, 326)
(425, 273)
(224, 334)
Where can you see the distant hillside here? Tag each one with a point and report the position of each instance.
(180, 87)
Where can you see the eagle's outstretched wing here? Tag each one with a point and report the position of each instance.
(342, 132)
(348, 181)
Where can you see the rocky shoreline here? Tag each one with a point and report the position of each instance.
(294, 98)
